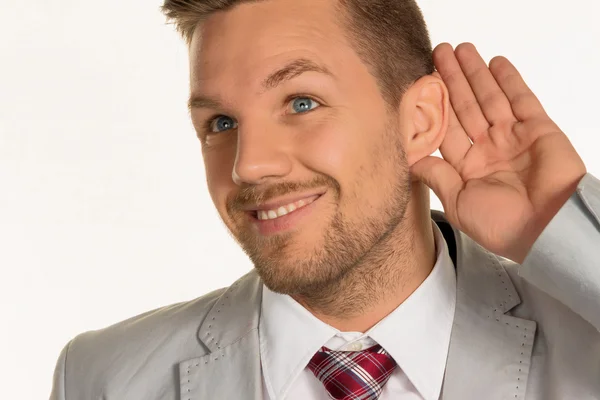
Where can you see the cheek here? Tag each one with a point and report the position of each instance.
(357, 156)
(334, 149)
(218, 165)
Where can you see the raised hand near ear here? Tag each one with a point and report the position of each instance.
(507, 168)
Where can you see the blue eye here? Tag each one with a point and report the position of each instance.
(222, 123)
(304, 104)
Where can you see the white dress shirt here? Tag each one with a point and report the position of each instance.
(416, 335)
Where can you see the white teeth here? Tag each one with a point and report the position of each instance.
(283, 210)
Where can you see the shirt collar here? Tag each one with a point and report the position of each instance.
(289, 336)
(416, 334)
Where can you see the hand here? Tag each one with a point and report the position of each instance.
(507, 168)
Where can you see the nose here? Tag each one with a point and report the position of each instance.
(262, 154)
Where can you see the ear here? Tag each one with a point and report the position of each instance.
(424, 114)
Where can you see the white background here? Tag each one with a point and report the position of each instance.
(104, 212)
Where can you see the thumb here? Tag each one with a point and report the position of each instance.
(441, 177)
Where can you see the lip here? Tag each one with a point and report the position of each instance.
(283, 201)
(287, 222)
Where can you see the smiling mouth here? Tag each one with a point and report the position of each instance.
(271, 214)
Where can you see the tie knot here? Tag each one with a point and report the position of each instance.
(353, 375)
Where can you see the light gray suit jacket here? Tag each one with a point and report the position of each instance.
(529, 331)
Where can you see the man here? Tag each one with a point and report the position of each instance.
(317, 121)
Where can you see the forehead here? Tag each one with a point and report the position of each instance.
(253, 38)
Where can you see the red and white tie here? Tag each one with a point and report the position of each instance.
(353, 375)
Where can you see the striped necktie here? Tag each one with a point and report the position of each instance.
(353, 375)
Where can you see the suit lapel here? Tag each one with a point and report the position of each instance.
(490, 351)
(231, 369)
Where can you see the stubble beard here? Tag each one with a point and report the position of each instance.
(350, 260)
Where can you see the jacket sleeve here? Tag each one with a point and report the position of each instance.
(565, 260)
(59, 383)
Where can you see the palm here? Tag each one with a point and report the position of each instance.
(507, 166)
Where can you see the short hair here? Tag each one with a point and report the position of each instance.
(390, 36)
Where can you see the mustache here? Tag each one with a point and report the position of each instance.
(256, 194)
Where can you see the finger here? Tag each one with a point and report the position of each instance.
(462, 97)
(524, 103)
(492, 100)
(456, 144)
(445, 182)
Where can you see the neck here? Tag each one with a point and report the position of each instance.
(386, 276)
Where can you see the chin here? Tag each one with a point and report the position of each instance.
(297, 270)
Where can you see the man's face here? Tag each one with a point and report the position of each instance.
(304, 160)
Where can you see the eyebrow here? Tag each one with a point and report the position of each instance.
(199, 101)
(289, 71)
(292, 70)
